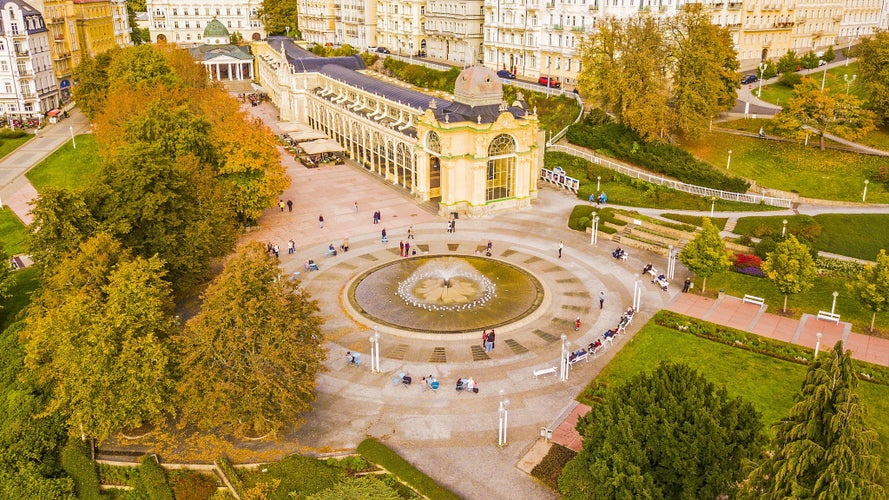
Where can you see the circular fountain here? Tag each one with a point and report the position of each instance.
(445, 294)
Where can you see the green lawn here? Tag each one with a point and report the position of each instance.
(68, 167)
(9, 145)
(26, 283)
(830, 175)
(779, 94)
(12, 232)
(768, 383)
(856, 235)
(818, 298)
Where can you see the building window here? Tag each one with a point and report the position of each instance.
(501, 168)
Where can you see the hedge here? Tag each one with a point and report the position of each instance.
(760, 345)
(77, 463)
(618, 141)
(378, 453)
(231, 474)
(153, 480)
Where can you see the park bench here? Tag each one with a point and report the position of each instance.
(545, 371)
(828, 316)
(751, 299)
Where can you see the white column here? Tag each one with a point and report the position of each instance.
(218, 73)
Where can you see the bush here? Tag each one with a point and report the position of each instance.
(746, 263)
(829, 55)
(192, 485)
(549, 469)
(231, 474)
(765, 247)
(809, 61)
(8, 133)
(153, 480)
(788, 62)
(771, 70)
(613, 139)
(790, 79)
(380, 454)
(77, 463)
(838, 267)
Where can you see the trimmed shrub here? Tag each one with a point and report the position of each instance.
(192, 485)
(8, 133)
(380, 454)
(549, 469)
(838, 267)
(765, 247)
(77, 463)
(153, 480)
(790, 79)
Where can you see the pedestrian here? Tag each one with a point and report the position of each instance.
(489, 344)
(592, 197)
(320, 221)
(410, 233)
(454, 227)
(601, 299)
(401, 248)
(384, 239)
(281, 205)
(290, 205)
(407, 248)
(484, 338)
(450, 225)
(291, 247)
(356, 207)
(686, 285)
(379, 216)
(577, 324)
(560, 249)
(275, 250)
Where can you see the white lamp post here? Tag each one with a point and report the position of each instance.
(504, 419)
(783, 228)
(671, 262)
(73, 144)
(817, 343)
(849, 51)
(762, 70)
(374, 351)
(637, 294)
(594, 237)
(834, 304)
(563, 360)
(849, 81)
(823, 78)
(728, 163)
(712, 206)
(864, 195)
(598, 182)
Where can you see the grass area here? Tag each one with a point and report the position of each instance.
(769, 383)
(26, 282)
(380, 454)
(776, 93)
(856, 235)
(296, 473)
(9, 145)
(12, 232)
(624, 190)
(818, 298)
(68, 167)
(697, 220)
(829, 175)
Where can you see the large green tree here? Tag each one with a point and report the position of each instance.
(63, 219)
(791, 267)
(97, 338)
(823, 448)
(810, 110)
(706, 255)
(250, 357)
(873, 67)
(6, 277)
(704, 68)
(666, 434)
(871, 286)
(278, 15)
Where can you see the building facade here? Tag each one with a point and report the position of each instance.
(473, 155)
(401, 26)
(454, 30)
(183, 21)
(222, 60)
(28, 88)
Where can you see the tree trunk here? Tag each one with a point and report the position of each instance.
(704, 285)
(872, 319)
(822, 140)
(785, 303)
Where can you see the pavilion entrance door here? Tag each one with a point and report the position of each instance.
(434, 177)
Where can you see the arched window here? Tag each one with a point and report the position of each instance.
(501, 168)
(433, 142)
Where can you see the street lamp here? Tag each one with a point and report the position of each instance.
(671, 262)
(849, 81)
(762, 70)
(504, 419)
(817, 343)
(74, 144)
(287, 31)
(849, 51)
(834, 305)
(598, 182)
(864, 196)
(823, 78)
(563, 359)
(712, 206)
(594, 237)
(728, 163)
(783, 228)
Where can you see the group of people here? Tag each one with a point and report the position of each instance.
(452, 226)
(619, 253)
(404, 249)
(488, 340)
(658, 278)
(609, 335)
(600, 200)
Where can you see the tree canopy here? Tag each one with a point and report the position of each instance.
(873, 67)
(871, 286)
(250, 357)
(706, 255)
(791, 267)
(823, 448)
(278, 15)
(666, 434)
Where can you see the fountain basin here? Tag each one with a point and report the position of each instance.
(474, 294)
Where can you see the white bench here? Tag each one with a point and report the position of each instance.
(578, 359)
(751, 299)
(545, 371)
(828, 316)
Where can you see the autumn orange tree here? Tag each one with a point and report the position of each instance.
(249, 358)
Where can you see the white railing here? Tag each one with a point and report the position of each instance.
(557, 176)
(673, 184)
(411, 60)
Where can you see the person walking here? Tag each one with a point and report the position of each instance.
(601, 299)
(401, 248)
(321, 222)
(275, 250)
(561, 245)
(489, 344)
(281, 204)
(686, 285)
(485, 339)
(291, 247)
(450, 226)
(577, 324)
(356, 207)
(384, 239)
(376, 217)
(407, 249)
(410, 233)
(289, 205)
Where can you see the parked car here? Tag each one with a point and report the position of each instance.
(748, 79)
(547, 81)
(505, 74)
(383, 50)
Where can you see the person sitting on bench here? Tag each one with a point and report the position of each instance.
(331, 250)
(311, 266)
(345, 245)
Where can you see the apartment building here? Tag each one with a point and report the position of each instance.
(454, 30)
(183, 21)
(401, 26)
(28, 86)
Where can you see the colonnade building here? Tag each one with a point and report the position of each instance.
(472, 153)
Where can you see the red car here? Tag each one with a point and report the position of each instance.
(548, 81)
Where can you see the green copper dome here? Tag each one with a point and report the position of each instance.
(215, 29)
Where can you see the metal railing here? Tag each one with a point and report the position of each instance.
(673, 184)
(414, 60)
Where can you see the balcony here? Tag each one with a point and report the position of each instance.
(578, 29)
(59, 38)
(62, 56)
(57, 20)
(22, 53)
(734, 5)
(838, 18)
(594, 8)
